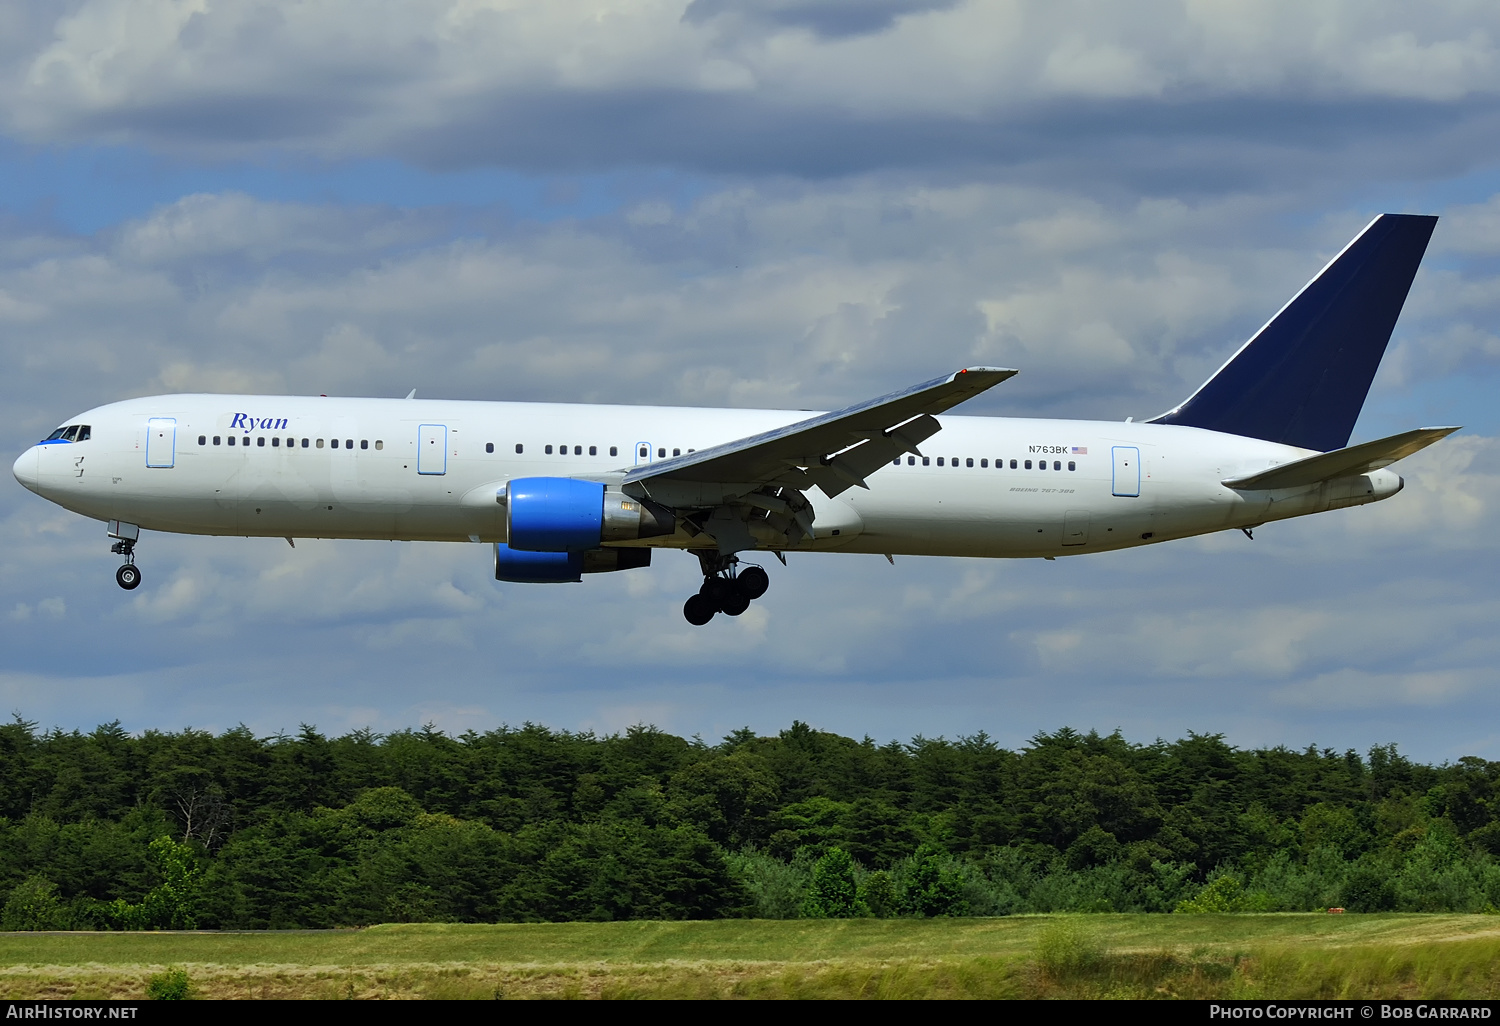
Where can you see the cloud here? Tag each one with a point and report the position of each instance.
(811, 87)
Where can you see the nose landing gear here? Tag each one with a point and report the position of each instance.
(129, 575)
(725, 589)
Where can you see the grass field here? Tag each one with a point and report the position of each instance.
(1283, 956)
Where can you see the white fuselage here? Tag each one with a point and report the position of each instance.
(430, 470)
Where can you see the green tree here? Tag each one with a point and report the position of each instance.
(33, 905)
(933, 888)
(833, 893)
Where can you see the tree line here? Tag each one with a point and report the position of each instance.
(110, 830)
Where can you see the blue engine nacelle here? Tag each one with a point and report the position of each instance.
(563, 567)
(564, 514)
(554, 514)
(537, 567)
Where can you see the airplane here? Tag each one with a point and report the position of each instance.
(565, 490)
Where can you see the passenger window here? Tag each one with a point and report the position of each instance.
(645, 452)
(85, 433)
(1072, 465)
(940, 461)
(230, 439)
(276, 442)
(334, 442)
(520, 448)
(379, 444)
(348, 443)
(261, 441)
(202, 439)
(896, 462)
(1013, 464)
(984, 463)
(1057, 464)
(1028, 464)
(614, 450)
(911, 461)
(927, 461)
(320, 443)
(216, 439)
(661, 454)
(306, 442)
(547, 449)
(676, 452)
(969, 462)
(291, 443)
(577, 450)
(489, 446)
(364, 443)
(593, 450)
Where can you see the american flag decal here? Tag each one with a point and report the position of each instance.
(1081, 450)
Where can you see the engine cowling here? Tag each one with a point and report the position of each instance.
(554, 514)
(563, 567)
(564, 514)
(537, 567)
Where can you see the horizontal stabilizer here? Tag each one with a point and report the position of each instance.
(1356, 459)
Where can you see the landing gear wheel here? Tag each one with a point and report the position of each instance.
(753, 582)
(736, 603)
(128, 577)
(716, 591)
(698, 610)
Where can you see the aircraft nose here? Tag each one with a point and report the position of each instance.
(25, 468)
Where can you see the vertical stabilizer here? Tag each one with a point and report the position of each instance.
(1302, 378)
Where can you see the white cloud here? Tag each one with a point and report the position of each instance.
(347, 79)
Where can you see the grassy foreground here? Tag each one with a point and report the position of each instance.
(1281, 956)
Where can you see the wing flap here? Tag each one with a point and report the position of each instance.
(1356, 459)
(835, 451)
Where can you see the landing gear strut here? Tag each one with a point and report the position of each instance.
(129, 575)
(726, 589)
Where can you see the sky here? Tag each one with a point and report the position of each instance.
(752, 203)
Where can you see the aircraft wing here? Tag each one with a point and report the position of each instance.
(835, 451)
(1356, 459)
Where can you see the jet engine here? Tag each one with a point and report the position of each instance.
(567, 515)
(563, 567)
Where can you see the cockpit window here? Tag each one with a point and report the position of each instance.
(70, 433)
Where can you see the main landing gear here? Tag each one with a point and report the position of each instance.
(129, 575)
(726, 589)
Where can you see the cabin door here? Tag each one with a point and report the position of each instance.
(161, 442)
(432, 449)
(1127, 478)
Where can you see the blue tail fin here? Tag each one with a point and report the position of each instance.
(1303, 378)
